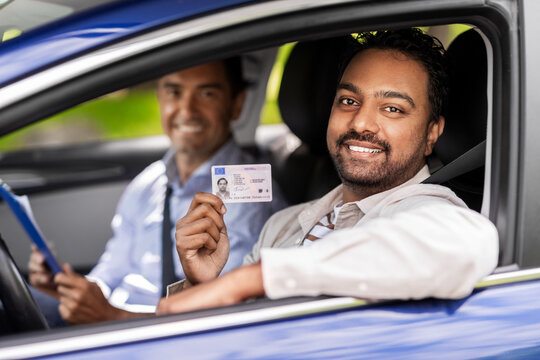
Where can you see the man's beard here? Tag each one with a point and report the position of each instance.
(379, 176)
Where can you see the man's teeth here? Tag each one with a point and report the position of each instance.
(190, 128)
(363, 149)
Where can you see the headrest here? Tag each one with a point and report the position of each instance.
(466, 110)
(308, 89)
(466, 113)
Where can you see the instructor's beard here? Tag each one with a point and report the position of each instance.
(380, 174)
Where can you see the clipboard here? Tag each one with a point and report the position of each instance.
(20, 206)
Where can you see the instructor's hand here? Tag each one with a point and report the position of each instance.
(201, 239)
(82, 302)
(39, 274)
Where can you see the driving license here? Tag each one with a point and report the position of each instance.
(242, 183)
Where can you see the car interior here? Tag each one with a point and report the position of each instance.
(87, 179)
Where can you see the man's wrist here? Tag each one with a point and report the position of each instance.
(177, 287)
(201, 279)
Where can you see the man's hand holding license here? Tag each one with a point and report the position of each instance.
(203, 244)
(201, 239)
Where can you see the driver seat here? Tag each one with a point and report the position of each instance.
(466, 117)
(305, 101)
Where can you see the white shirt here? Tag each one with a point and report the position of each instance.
(410, 242)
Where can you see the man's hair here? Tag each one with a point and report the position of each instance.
(421, 47)
(234, 73)
(222, 179)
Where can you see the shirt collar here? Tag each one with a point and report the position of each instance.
(222, 156)
(368, 203)
(319, 208)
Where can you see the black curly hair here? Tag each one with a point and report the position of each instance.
(412, 42)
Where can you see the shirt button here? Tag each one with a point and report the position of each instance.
(290, 283)
(362, 287)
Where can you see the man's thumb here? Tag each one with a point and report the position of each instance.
(67, 269)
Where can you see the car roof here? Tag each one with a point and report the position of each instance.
(91, 28)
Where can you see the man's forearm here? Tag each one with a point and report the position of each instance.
(242, 283)
(247, 281)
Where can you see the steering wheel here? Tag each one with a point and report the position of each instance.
(21, 310)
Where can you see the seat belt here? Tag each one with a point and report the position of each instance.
(471, 160)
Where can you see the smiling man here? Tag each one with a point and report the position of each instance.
(197, 106)
(381, 234)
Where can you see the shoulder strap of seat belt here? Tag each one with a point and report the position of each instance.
(471, 160)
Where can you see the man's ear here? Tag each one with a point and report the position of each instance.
(435, 129)
(238, 104)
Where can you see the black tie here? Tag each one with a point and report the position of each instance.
(167, 265)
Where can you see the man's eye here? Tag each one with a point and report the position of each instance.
(208, 93)
(172, 92)
(392, 109)
(347, 101)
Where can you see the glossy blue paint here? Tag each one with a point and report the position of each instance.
(77, 34)
(500, 322)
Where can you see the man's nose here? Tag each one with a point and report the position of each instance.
(365, 119)
(187, 106)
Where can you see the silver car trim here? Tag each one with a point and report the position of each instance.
(155, 331)
(87, 63)
(509, 278)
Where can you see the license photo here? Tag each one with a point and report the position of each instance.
(242, 183)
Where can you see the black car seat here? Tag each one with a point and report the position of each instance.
(466, 116)
(305, 100)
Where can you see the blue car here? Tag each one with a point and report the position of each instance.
(57, 56)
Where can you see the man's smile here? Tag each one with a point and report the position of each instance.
(187, 127)
(190, 128)
(364, 149)
(363, 145)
